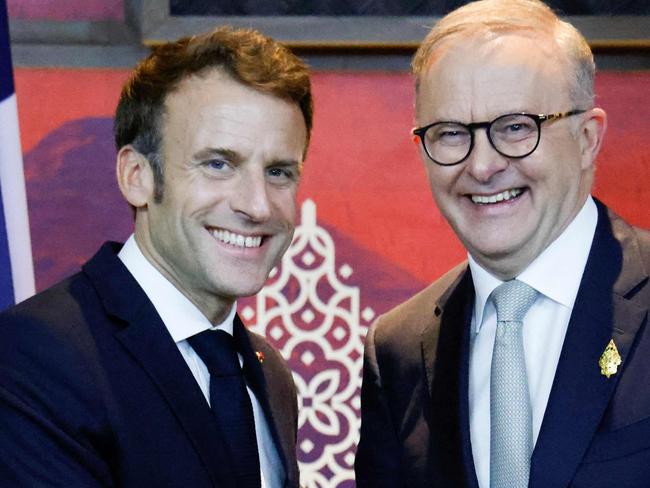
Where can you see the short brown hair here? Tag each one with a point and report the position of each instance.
(250, 57)
(495, 17)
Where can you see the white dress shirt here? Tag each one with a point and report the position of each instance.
(556, 275)
(184, 320)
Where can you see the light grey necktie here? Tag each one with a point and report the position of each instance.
(511, 430)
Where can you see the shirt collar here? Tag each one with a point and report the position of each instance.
(556, 273)
(181, 317)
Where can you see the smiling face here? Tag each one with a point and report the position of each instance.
(507, 211)
(231, 159)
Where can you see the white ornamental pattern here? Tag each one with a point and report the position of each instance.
(313, 317)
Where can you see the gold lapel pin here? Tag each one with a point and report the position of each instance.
(260, 356)
(610, 360)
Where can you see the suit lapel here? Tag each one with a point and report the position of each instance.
(276, 402)
(445, 351)
(447, 310)
(580, 393)
(146, 338)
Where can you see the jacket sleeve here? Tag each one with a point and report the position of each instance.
(51, 427)
(377, 462)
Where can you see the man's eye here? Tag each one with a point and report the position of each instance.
(519, 127)
(282, 173)
(215, 164)
(450, 136)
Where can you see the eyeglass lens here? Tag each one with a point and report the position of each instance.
(513, 135)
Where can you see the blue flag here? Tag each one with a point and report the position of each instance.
(16, 266)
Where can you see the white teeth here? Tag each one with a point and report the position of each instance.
(237, 240)
(497, 197)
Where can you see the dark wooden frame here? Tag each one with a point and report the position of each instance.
(350, 41)
(369, 33)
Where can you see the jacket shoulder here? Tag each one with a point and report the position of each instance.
(55, 307)
(410, 317)
(643, 238)
(635, 245)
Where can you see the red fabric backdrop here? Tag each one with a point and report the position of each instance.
(362, 170)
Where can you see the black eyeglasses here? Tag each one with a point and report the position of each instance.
(511, 135)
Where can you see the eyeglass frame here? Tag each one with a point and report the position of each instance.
(471, 128)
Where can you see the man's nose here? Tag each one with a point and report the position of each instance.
(251, 197)
(484, 161)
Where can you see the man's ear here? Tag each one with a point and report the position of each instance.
(591, 135)
(134, 176)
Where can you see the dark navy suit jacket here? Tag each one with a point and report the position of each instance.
(596, 430)
(94, 391)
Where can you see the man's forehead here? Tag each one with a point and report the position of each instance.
(507, 50)
(485, 77)
(225, 96)
(196, 82)
(493, 45)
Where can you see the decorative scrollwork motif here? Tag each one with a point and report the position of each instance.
(311, 313)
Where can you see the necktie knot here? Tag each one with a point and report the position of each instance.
(512, 300)
(217, 350)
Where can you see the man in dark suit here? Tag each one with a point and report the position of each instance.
(137, 371)
(528, 365)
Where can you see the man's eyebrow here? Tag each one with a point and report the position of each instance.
(236, 158)
(218, 152)
(285, 162)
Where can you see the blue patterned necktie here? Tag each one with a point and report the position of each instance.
(230, 403)
(511, 430)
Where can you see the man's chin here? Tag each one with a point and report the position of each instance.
(504, 262)
(244, 288)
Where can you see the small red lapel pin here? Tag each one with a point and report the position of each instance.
(260, 356)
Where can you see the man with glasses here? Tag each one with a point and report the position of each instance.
(529, 364)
